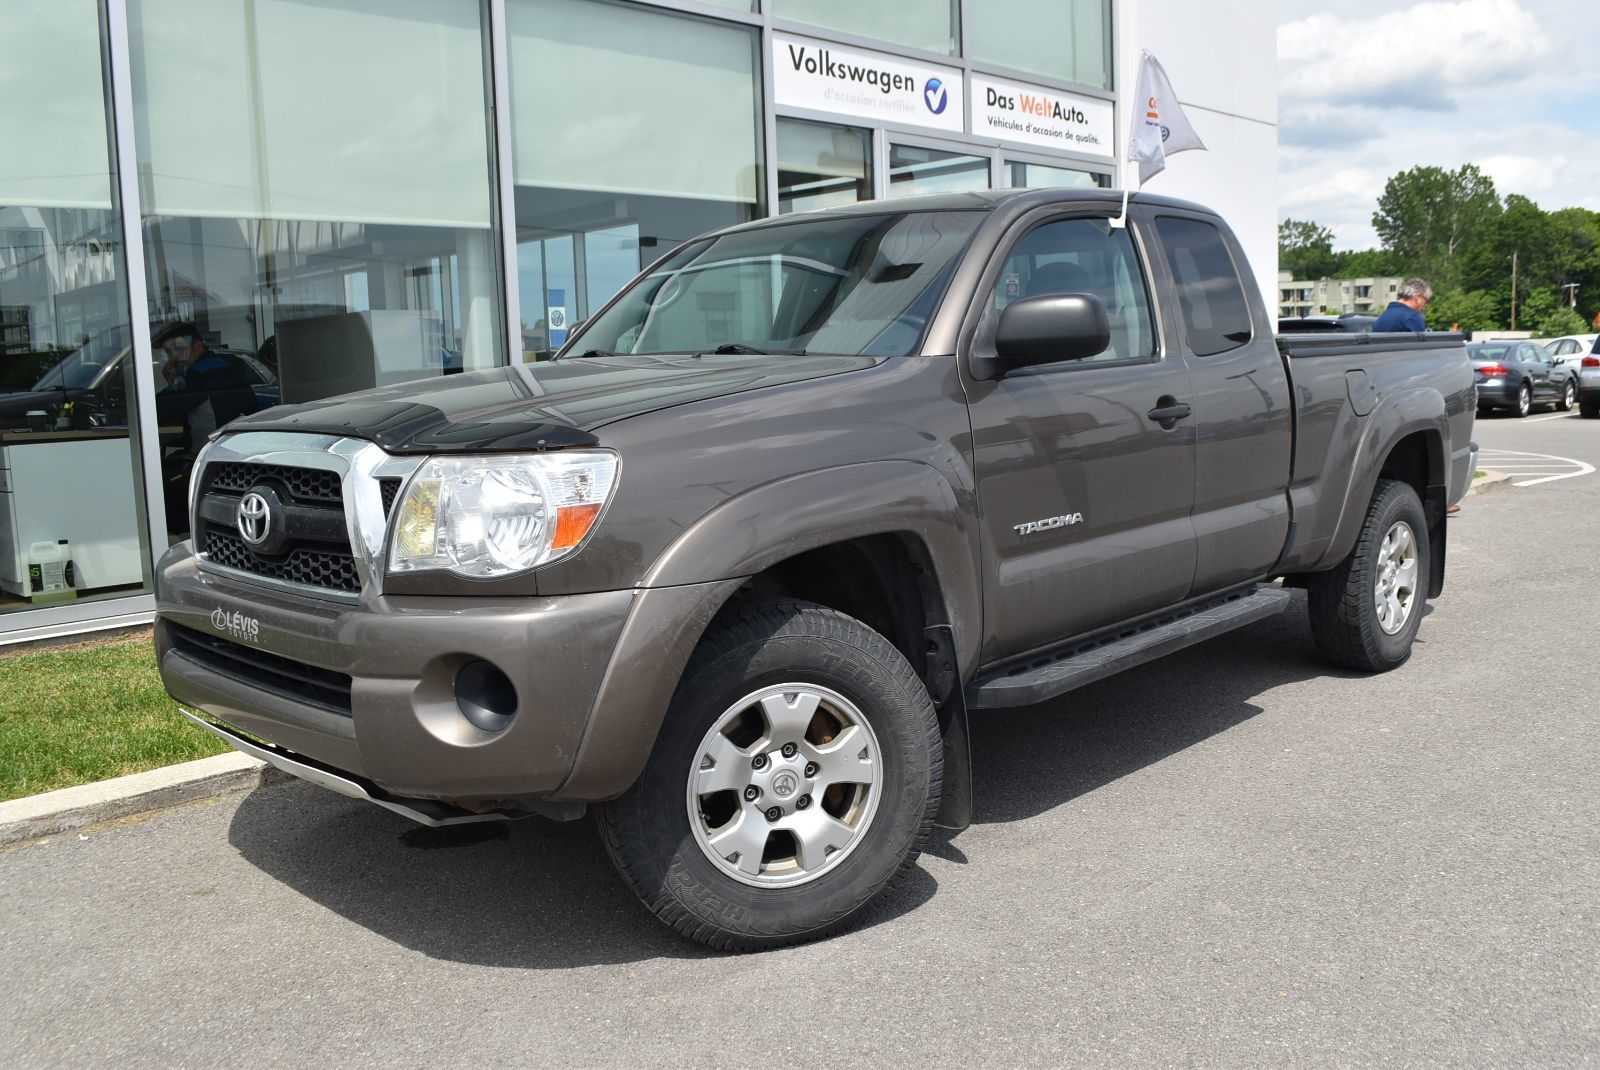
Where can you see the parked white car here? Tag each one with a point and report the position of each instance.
(1571, 349)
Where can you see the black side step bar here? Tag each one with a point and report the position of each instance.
(1073, 667)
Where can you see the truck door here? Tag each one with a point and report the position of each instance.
(1242, 423)
(1085, 468)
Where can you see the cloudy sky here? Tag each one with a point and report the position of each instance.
(1370, 89)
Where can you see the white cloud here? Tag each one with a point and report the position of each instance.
(1416, 57)
(1526, 175)
(1531, 130)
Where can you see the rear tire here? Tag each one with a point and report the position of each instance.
(781, 701)
(1590, 409)
(1524, 401)
(1365, 613)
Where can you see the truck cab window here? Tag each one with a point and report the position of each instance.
(1084, 256)
(1209, 291)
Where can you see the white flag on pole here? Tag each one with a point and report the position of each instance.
(1159, 126)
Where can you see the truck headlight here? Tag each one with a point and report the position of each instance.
(496, 515)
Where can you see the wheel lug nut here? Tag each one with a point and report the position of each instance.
(752, 793)
(773, 813)
(758, 762)
(802, 802)
(790, 750)
(811, 769)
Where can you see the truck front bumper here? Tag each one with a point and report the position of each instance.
(370, 690)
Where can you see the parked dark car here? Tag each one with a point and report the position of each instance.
(1516, 376)
(1350, 322)
(90, 383)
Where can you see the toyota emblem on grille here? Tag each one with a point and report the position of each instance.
(254, 519)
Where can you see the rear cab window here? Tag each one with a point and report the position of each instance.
(1211, 297)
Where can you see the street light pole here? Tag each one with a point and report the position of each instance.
(1572, 294)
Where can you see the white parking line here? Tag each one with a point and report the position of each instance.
(1546, 467)
(1552, 416)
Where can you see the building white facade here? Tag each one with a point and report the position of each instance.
(1222, 59)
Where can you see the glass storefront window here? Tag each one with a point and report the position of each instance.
(660, 144)
(317, 194)
(930, 25)
(820, 165)
(72, 506)
(1065, 39)
(914, 170)
(1022, 175)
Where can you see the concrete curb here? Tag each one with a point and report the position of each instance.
(79, 807)
(1489, 482)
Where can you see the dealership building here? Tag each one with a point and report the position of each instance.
(337, 194)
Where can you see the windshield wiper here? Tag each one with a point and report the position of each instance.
(739, 347)
(594, 353)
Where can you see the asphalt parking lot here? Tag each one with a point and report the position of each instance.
(1235, 857)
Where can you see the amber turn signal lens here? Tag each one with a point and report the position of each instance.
(572, 524)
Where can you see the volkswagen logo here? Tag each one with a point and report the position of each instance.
(254, 519)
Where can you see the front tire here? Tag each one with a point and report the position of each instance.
(1569, 397)
(796, 776)
(1365, 613)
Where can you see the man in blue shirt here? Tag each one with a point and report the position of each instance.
(1405, 312)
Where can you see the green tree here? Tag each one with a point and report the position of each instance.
(1367, 264)
(1305, 249)
(1431, 217)
(1461, 310)
(1546, 314)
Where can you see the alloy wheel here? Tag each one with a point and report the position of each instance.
(784, 785)
(1395, 589)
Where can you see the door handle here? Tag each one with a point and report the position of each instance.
(1168, 411)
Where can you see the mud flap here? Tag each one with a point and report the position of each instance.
(944, 685)
(1434, 510)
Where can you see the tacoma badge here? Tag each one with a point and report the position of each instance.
(1049, 523)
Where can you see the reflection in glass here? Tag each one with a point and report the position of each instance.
(664, 146)
(71, 485)
(914, 170)
(853, 285)
(930, 25)
(1068, 40)
(820, 165)
(1020, 175)
(317, 226)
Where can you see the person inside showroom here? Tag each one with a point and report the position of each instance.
(205, 389)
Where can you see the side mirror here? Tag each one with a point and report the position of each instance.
(1051, 328)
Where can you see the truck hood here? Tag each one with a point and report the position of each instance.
(538, 406)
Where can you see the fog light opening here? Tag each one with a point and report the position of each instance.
(485, 696)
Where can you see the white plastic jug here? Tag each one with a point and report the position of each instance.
(50, 572)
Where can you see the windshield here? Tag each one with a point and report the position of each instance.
(855, 285)
(78, 369)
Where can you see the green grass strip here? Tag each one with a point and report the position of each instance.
(73, 715)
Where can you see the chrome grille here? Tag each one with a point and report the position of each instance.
(312, 547)
(333, 495)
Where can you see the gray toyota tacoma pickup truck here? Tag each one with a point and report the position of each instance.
(737, 564)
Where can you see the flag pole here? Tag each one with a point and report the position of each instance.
(1121, 221)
